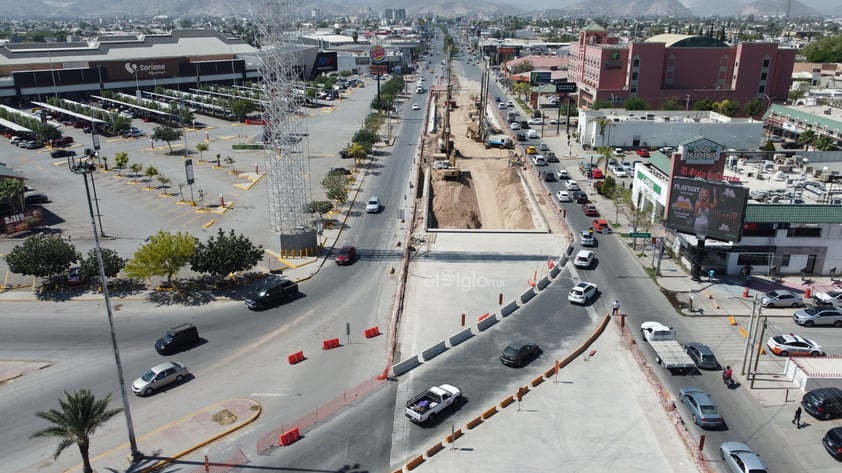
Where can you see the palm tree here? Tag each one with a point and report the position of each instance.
(807, 139)
(120, 161)
(135, 168)
(11, 190)
(150, 172)
(80, 415)
(201, 148)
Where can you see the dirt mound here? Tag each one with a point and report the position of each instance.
(454, 203)
(512, 204)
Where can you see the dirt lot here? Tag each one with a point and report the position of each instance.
(489, 193)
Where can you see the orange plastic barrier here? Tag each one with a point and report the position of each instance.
(296, 357)
(808, 293)
(331, 343)
(483, 317)
(289, 437)
(372, 332)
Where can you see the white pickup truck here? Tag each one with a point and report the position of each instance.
(832, 297)
(426, 405)
(670, 353)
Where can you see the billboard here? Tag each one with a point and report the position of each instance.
(705, 208)
(540, 77)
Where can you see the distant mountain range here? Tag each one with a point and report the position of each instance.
(15, 9)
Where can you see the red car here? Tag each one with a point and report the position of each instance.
(601, 225)
(643, 153)
(590, 210)
(597, 173)
(346, 255)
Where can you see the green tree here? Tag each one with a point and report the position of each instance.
(242, 107)
(150, 172)
(201, 148)
(77, 420)
(357, 152)
(598, 104)
(366, 139)
(12, 190)
(167, 134)
(336, 187)
(635, 103)
(120, 161)
(768, 146)
(827, 49)
(320, 207)
(808, 138)
(525, 66)
(163, 255)
(225, 254)
(135, 168)
(522, 88)
(824, 143)
(753, 108)
(671, 103)
(42, 256)
(727, 107)
(111, 261)
(165, 183)
(119, 122)
(703, 105)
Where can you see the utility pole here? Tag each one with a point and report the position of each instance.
(753, 373)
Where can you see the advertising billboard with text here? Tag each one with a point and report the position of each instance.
(707, 209)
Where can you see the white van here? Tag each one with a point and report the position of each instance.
(538, 160)
(584, 259)
(532, 134)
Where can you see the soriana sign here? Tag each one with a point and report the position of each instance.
(377, 53)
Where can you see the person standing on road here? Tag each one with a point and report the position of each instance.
(797, 419)
(615, 308)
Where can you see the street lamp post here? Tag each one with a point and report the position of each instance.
(84, 168)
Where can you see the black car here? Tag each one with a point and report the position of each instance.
(823, 403)
(518, 353)
(522, 137)
(580, 197)
(62, 153)
(271, 293)
(832, 442)
(177, 338)
(702, 356)
(791, 145)
(550, 157)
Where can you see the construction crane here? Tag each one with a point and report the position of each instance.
(451, 172)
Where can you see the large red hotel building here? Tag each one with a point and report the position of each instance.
(683, 67)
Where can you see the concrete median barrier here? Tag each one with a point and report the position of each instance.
(507, 309)
(527, 296)
(460, 337)
(543, 283)
(557, 269)
(487, 322)
(434, 351)
(406, 365)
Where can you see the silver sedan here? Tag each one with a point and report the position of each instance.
(159, 376)
(818, 316)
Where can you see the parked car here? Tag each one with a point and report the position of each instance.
(793, 345)
(741, 459)
(74, 276)
(600, 225)
(583, 259)
(35, 198)
(619, 171)
(63, 141)
(177, 338)
(415, 106)
(781, 298)
(339, 171)
(701, 407)
(159, 376)
(791, 145)
(590, 210)
(619, 152)
(832, 442)
(702, 355)
(823, 403)
(582, 293)
(597, 173)
(519, 352)
(62, 153)
(373, 205)
(643, 152)
(271, 292)
(563, 196)
(347, 254)
(536, 121)
(818, 316)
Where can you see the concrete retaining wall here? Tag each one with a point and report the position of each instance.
(405, 365)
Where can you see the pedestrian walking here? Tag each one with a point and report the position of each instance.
(615, 308)
(711, 273)
(797, 419)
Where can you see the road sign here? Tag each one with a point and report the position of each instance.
(565, 87)
(640, 235)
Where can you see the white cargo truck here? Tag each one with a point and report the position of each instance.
(668, 352)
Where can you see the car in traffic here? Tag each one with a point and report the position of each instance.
(536, 121)
(571, 185)
(813, 316)
(521, 137)
(373, 205)
(515, 126)
(510, 103)
(793, 345)
(543, 147)
(159, 376)
(583, 259)
(501, 106)
(580, 197)
(519, 352)
(582, 293)
(347, 254)
(415, 106)
(781, 298)
(551, 157)
(701, 355)
(590, 210)
(586, 239)
(823, 403)
(600, 225)
(563, 196)
(701, 407)
(538, 160)
(177, 338)
(271, 292)
(562, 174)
(832, 442)
(741, 459)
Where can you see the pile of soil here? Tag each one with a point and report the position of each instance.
(454, 203)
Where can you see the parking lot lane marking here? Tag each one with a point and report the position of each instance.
(188, 222)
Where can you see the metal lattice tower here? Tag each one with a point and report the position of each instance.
(284, 135)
